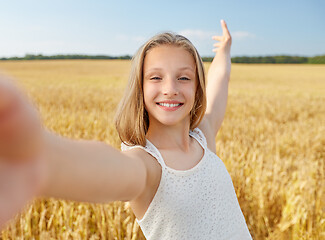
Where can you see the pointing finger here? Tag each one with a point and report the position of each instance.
(225, 30)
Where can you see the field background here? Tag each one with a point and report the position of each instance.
(272, 142)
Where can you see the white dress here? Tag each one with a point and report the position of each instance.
(199, 203)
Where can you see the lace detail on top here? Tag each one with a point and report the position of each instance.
(198, 203)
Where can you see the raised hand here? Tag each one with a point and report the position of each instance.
(221, 64)
(21, 168)
(225, 40)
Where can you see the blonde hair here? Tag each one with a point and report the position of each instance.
(131, 120)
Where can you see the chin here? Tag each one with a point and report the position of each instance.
(173, 122)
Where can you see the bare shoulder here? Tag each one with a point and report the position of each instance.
(208, 132)
(152, 166)
(135, 152)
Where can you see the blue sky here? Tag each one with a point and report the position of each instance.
(115, 28)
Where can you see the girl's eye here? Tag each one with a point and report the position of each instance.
(182, 78)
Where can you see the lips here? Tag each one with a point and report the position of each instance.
(170, 105)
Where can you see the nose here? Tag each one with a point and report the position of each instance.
(170, 87)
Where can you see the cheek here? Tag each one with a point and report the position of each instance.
(148, 93)
(190, 92)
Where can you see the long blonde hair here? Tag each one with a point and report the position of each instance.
(131, 120)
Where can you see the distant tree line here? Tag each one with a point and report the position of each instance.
(280, 59)
(244, 59)
(73, 56)
(275, 59)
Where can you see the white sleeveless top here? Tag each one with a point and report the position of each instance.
(199, 203)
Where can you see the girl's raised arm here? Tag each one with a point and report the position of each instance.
(36, 162)
(218, 79)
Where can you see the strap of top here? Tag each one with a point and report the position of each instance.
(152, 150)
(198, 134)
(149, 148)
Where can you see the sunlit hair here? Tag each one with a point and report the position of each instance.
(131, 118)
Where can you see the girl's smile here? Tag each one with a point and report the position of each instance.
(170, 105)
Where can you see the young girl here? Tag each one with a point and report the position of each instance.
(177, 186)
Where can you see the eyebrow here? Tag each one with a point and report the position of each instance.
(182, 68)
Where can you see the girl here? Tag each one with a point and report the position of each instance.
(177, 186)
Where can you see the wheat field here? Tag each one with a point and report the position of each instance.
(272, 142)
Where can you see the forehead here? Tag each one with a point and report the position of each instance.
(166, 56)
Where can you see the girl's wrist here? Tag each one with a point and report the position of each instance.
(47, 168)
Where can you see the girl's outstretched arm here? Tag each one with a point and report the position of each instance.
(35, 162)
(218, 79)
(90, 171)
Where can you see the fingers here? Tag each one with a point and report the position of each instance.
(218, 38)
(217, 46)
(224, 40)
(225, 32)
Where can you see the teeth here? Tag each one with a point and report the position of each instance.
(169, 105)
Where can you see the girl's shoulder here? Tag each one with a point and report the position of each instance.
(152, 166)
(137, 152)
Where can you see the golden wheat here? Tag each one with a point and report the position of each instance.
(272, 142)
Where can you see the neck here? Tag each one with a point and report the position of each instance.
(170, 137)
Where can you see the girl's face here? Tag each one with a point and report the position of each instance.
(169, 85)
